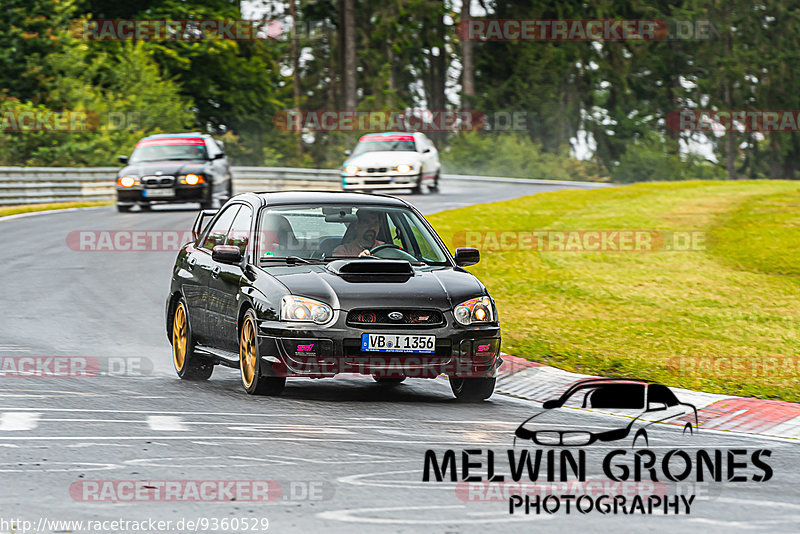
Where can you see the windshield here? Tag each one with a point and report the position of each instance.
(388, 143)
(346, 231)
(169, 149)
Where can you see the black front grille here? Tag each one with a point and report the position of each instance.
(377, 169)
(158, 181)
(385, 317)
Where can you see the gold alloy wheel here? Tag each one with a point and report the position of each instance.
(179, 337)
(247, 352)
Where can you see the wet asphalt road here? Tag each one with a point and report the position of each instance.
(341, 454)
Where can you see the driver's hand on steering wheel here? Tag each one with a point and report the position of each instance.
(365, 252)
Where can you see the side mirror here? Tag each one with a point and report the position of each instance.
(218, 155)
(549, 405)
(227, 254)
(348, 152)
(123, 159)
(427, 149)
(467, 256)
(656, 406)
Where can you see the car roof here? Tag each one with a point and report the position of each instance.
(321, 197)
(375, 134)
(184, 134)
(592, 382)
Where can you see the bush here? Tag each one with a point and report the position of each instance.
(649, 160)
(516, 156)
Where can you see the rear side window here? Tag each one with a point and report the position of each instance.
(659, 393)
(219, 228)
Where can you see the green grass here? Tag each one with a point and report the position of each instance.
(13, 210)
(665, 316)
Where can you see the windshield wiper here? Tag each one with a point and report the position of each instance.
(291, 260)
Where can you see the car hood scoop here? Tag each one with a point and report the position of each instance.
(371, 270)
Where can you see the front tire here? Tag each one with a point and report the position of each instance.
(417, 189)
(123, 209)
(472, 389)
(208, 203)
(435, 187)
(250, 362)
(188, 365)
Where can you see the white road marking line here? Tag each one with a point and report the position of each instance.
(166, 422)
(47, 394)
(91, 410)
(771, 504)
(350, 516)
(201, 461)
(360, 480)
(289, 429)
(45, 212)
(727, 524)
(47, 467)
(371, 460)
(14, 421)
(82, 445)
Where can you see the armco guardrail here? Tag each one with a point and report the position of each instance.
(36, 185)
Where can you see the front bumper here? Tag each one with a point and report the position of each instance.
(180, 193)
(365, 181)
(326, 352)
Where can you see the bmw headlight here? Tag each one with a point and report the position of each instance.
(127, 181)
(404, 168)
(305, 310)
(479, 310)
(351, 170)
(191, 179)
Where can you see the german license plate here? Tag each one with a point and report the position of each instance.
(158, 193)
(398, 343)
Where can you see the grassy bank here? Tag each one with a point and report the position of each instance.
(722, 316)
(27, 208)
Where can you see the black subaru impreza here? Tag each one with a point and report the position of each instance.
(315, 284)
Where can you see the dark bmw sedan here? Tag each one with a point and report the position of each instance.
(316, 284)
(172, 168)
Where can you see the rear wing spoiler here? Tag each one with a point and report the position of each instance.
(201, 222)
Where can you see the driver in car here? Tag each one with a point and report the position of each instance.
(360, 238)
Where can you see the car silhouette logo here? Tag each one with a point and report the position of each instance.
(643, 404)
(395, 316)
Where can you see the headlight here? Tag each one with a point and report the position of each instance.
(351, 170)
(127, 181)
(477, 310)
(191, 179)
(404, 168)
(301, 309)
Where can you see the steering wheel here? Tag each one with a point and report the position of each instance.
(400, 254)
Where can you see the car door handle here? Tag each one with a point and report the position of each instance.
(191, 262)
(215, 271)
